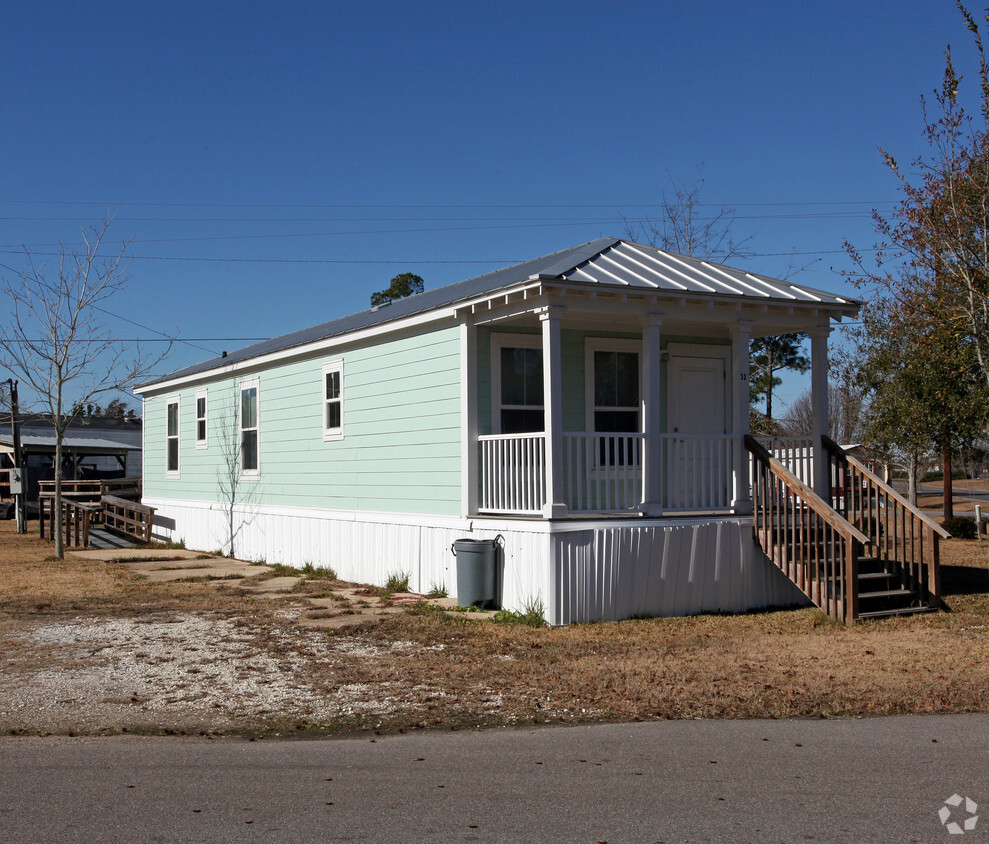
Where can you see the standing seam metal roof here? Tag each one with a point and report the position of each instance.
(608, 260)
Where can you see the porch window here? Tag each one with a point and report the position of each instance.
(616, 391)
(521, 390)
(172, 437)
(249, 428)
(201, 419)
(613, 399)
(333, 400)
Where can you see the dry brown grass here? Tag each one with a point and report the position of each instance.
(433, 670)
(32, 581)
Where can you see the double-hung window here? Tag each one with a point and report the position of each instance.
(201, 429)
(249, 442)
(518, 383)
(614, 405)
(172, 437)
(333, 400)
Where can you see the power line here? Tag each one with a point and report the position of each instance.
(383, 261)
(120, 204)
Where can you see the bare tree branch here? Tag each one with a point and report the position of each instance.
(54, 341)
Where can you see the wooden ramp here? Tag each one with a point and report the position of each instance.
(101, 538)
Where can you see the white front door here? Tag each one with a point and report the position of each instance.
(699, 458)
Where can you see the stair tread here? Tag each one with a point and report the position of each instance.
(888, 593)
(898, 611)
(874, 575)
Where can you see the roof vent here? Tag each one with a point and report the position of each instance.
(379, 307)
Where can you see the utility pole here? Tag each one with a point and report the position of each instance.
(15, 432)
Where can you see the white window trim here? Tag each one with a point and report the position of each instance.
(202, 394)
(501, 341)
(600, 468)
(177, 401)
(246, 385)
(605, 344)
(332, 434)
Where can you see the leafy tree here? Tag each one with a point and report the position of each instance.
(54, 340)
(931, 272)
(923, 386)
(405, 284)
(769, 355)
(116, 409)
(933, 251)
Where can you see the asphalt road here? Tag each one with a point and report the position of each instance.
(882, 779)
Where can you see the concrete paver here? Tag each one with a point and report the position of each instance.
(350, 605)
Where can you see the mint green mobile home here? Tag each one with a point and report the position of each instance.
(589, 409)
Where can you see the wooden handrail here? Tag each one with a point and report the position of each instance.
(815, 547)
(834, 449)
(128, 517)
(818, 504)
(905, 542)
(77, 516)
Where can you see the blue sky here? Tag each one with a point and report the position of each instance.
(273, 164)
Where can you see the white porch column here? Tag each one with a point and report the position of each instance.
(741, 496)
(819, 406)
(554, 508)
(652, 446)
(468, 418)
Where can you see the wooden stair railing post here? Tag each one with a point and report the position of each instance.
(853, 550)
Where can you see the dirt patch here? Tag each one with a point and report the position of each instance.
(90, 647)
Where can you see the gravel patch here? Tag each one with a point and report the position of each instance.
(190, 672)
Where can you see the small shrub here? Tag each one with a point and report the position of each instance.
(533, 614)
(960, 527)
(398, 582)
(438, 591)
(318, 572)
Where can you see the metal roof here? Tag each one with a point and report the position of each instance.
(81, 445)
(634, 265)
(608, 261)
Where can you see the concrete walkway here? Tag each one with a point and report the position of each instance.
(327, 605)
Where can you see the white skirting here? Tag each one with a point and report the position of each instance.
(584, 570)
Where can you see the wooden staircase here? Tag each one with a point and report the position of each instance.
(866, 553)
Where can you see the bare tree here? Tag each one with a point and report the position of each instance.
(684, 227)
(233, 488)
(55, 340)
(845, 422)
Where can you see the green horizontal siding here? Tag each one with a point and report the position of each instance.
(401, 445)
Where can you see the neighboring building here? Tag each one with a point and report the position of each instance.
(586, 408)
(94, 447)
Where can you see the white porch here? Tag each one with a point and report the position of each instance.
(603, 474)
(619, 385)
(690, 414)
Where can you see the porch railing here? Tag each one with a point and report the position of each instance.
(697, 471)
(602, 472)
(794, 453)
(513, 473)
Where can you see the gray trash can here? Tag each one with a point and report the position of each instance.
(475, 571)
